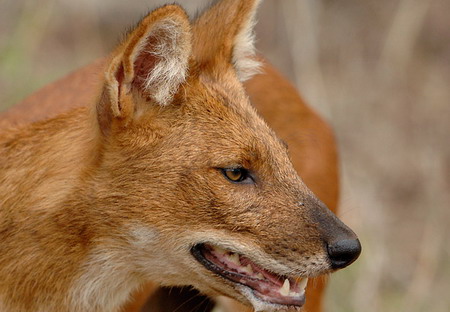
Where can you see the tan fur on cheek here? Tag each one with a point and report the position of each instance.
(111, 272)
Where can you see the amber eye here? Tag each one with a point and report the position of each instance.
(236, 174)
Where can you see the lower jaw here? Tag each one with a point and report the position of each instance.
(297, 302)
(259, 300)
(262, 304)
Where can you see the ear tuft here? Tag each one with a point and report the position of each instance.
(224, 33)
(152, 61)
(244, 52)
(161, 64)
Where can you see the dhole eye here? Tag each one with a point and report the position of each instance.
(237, 175)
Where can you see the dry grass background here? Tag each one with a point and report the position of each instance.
(378, 70)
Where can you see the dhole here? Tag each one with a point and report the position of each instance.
(165, 175)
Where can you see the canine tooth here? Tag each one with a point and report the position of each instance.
(234, 258)
(260, 276)
(295, 294)
(248, 269)
(303, 284)
(220, 250)
(285, 290)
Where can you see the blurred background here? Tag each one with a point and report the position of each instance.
(377, 70)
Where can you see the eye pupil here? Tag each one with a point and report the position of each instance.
(235, 174)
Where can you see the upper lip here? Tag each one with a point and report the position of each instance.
(267, 286)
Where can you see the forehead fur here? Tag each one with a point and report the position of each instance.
(223, 115)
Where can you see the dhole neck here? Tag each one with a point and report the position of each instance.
(46, 204)
(46, 161)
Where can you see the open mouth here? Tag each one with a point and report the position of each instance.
(267, 286)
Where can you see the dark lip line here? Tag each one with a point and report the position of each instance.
(196, 251)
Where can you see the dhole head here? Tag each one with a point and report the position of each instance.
(204, 190)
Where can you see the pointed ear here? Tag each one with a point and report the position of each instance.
(224, 33)
(152, 62)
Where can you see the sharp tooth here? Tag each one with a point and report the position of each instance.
(295, 294)
(248, 269)
(284, 291)
(220, 250)
(260, 276)
(303, 284)
(234, 258)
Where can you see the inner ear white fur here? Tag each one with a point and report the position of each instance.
(169, 44)
(244, 53)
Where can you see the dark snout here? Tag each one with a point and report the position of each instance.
(342, 244)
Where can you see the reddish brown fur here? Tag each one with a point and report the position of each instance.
(85, 204)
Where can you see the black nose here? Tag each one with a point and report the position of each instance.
(343, 252)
